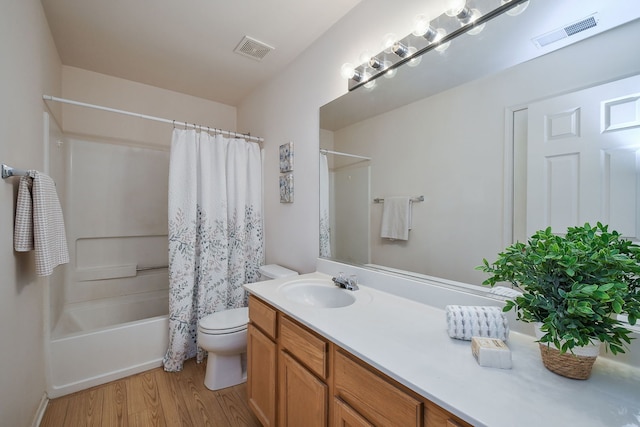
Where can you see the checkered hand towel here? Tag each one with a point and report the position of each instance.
(39, 223)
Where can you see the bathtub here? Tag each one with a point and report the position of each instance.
(100, 341)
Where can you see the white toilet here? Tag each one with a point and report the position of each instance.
(224, 336)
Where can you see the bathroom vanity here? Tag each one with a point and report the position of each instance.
(317, 381)
(376, 358)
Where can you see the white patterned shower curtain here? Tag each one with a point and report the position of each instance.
(325, 227)
(215, 233)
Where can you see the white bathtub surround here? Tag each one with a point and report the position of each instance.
(407, 340)
(105, 313)
(215, 232)
(106, 355)
(98, 341)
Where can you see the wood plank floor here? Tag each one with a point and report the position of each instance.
(153, 398)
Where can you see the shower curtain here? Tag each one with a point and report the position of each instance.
(215, 233)
(325, 229)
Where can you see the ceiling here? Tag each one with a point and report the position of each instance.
(188, 45)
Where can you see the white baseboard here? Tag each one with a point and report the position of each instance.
(37, 418)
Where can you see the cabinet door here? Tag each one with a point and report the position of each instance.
(346, 416)
(303, 397)
(261, 375)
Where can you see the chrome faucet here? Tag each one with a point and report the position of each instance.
(349, 284)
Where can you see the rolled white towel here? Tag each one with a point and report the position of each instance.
(505, 293)
(464, 322)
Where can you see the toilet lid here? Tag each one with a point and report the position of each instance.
(227, 321)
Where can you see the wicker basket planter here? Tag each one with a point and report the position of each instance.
(576, 365)
(568, 365)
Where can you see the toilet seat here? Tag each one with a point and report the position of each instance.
(225, 322)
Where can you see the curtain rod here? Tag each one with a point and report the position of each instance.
(324, 151)
(144, 116)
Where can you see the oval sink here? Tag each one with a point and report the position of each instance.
(317, 294)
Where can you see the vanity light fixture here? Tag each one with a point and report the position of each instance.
(460, 17)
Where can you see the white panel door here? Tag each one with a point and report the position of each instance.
(583, 159)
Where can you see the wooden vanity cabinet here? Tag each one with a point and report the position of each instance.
(262, 356)
(298, 378)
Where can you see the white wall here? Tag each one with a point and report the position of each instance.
(113, 92)
(286, 109)
(30, 66)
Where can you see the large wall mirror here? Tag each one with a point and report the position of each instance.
(470, 130)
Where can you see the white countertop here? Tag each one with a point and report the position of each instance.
(408, 341)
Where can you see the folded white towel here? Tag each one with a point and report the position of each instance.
(39, 223)
(396, 218)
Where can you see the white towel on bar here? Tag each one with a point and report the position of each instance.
(39, 223)
(396, 218)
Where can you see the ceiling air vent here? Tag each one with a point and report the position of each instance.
(252, 48)
(567, 31)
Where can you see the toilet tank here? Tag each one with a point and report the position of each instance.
(274, 271)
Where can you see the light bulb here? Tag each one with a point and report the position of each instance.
(476, 30)
(365, 57)
(347, 71)
(370, 83)
(415, 61)
(389, 74)
(388, 41)
(475, 14)
(454, 7)
(441, 46)
(518, 9)
(420, 25)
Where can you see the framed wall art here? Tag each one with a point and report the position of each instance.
(286, 157)
(286, 188)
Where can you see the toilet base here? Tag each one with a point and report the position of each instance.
(224, 371)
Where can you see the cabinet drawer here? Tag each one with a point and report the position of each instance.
(372, 396)
(305, 346)
(263, 316)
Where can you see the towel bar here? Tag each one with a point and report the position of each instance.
(8, 171)
(413, 199)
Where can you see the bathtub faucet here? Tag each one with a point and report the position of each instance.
(346, 283)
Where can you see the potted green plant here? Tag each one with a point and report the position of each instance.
(574, 286)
